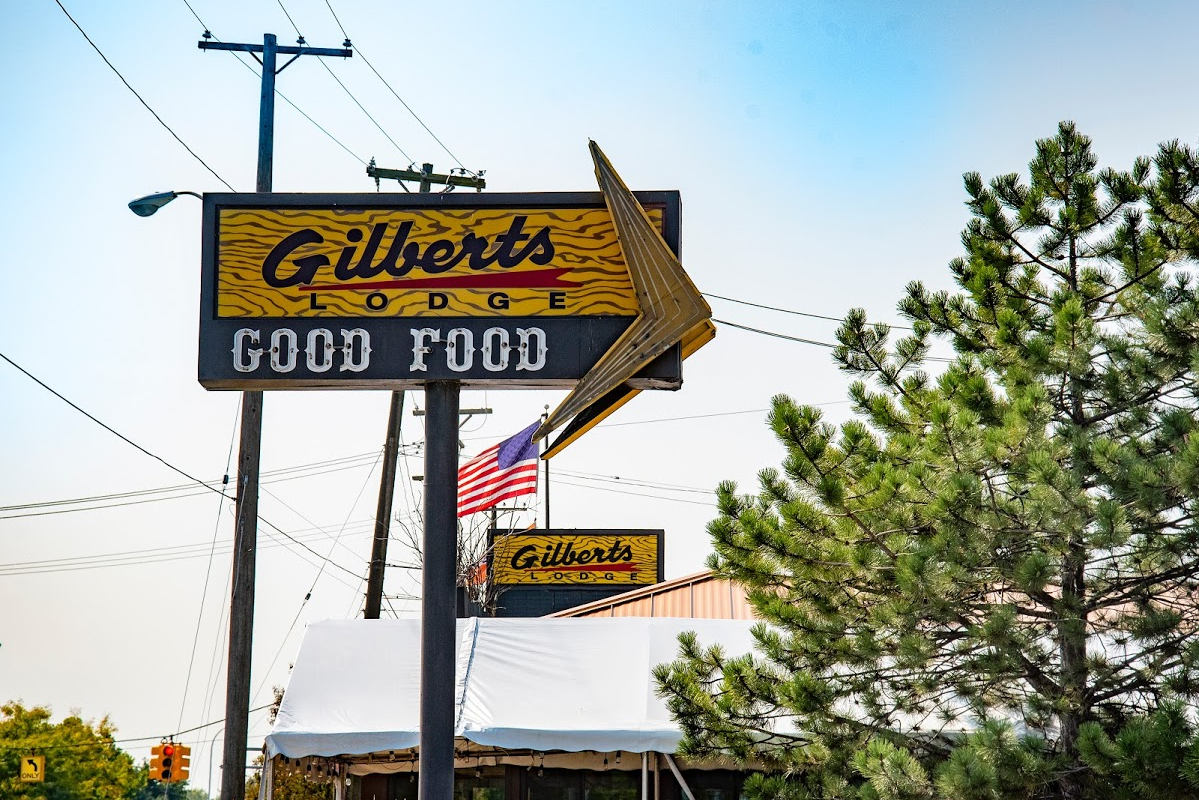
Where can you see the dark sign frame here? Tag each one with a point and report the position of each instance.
(234, 352)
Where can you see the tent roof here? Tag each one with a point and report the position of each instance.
(541, 684)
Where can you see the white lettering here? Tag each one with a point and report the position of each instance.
(245, 357)
(351, 338)
(495, 349)
(320, 349)
(283, 350)
(421, 339)
(532, 349)
(460, 350)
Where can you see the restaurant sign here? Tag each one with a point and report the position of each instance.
(577, 557)
(377, 290)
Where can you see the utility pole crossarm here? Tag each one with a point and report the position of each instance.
(290, 50)
(427, 177)
(413, 175)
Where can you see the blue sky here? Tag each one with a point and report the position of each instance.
(819, 149)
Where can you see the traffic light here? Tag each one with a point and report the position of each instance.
(156, 756)
(182, 762)
(169, 762)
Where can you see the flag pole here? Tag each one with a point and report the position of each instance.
(547, 471)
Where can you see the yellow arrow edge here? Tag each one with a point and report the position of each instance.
(672, 311)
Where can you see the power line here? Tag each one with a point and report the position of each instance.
(711, 504)
(408, 108)
(158, 458)
(278, 93)
(789, 310)
(28, 745)
(216, 529)
(101, 506)
(292, 21)
(344, 88)
(142, 100)
(637, 482)
(176, 492)
(106, 427)
(690, 416)
(324, 532)
(126, 558)
(802, 340)
(290, 628)
(707, 416)
(194, 14)
(319, 573)
(368, 114)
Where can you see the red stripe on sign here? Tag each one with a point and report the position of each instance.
(534, 279)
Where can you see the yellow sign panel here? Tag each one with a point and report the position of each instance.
(33, 769)
(549, 558)
(402, 262)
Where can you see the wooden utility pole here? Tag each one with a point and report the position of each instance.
(245, 541)
(391, 452)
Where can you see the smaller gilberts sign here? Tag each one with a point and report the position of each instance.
(577, 557)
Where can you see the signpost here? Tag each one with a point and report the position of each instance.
(441, 291)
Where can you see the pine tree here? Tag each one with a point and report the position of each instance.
(985, 579)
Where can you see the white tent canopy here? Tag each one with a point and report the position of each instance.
(539, 684)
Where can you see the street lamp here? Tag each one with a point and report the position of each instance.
(145, 206)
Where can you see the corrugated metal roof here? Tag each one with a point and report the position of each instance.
(698, 596)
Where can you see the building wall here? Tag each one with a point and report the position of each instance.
(699, 596)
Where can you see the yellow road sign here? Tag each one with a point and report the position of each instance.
(33, 769)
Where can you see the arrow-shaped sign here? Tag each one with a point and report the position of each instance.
(672, 311)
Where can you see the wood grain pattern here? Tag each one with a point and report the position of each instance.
(586, 251)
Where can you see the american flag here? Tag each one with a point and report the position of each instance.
(500, 472)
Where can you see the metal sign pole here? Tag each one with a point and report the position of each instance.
(438, 619)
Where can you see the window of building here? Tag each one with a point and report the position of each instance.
(399, 787)
(485, 784)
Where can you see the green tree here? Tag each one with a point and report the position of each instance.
(291, 785)
(981, 586)
(82, 759)
(153, 790)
